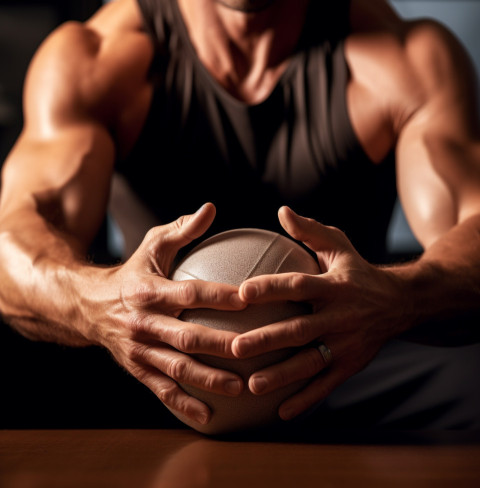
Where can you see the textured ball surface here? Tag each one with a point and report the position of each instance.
(232, 257)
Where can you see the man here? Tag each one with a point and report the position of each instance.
(252, 105)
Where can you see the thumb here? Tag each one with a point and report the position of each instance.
(163, 243)
(327, 242)
(187, 228)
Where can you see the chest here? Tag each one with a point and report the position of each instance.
(367, 112)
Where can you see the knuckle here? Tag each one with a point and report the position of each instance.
(152, 252)
(314, 362)
(340, 237)
(179, 223)
(178, 369)
(299, 331)
(336, 231)
(182, 228)
(137, 371)
(187, 293)
(137, 353)
(211, 381)
(139, 294)
(151, 235)
(223, 345)
(299, 282)
(179, 230)
(186, 341)
(216, 294)
(168, 394)
(263, 339)
(282, 378)
(138, 326)
(152, 243)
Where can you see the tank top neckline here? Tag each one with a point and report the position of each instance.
(295, 59)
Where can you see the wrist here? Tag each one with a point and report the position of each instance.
(399, 299)
(434, 301)
(91, 300)
(413, 285)
(47, 285)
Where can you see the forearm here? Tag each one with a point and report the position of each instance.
(41, 271)
(442, 288)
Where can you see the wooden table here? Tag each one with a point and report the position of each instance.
(186, 459)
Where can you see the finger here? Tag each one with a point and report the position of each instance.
(162, 294)
(171, 395)
(186, 337)
(316, 236)
(313, 394)
(190, 294)
(162, 243)
(189, 227)
(296, 331)
(299, 287)
(184, 369)
(306, 364)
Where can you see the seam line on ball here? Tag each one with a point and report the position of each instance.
(257, 262)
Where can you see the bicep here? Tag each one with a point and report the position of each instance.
(65, 178)
(438, 148)
(62, 163)
(438, 175)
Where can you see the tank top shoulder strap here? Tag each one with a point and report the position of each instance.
(158, 20)
(156, 15)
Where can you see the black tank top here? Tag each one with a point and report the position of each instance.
(297, 147)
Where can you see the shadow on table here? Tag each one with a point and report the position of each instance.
(308, 434)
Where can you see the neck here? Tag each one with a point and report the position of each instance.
(244, 49)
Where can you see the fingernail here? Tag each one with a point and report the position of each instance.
(234, 387)
(259, 385)
(236, 301)
(200, 209)
(202, 418)
(286, 413)
(241, 347)
(250, 291)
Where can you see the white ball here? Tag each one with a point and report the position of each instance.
(232, 257)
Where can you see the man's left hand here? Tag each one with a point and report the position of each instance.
(357, 307)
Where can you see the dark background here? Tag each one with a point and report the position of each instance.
(23, 25)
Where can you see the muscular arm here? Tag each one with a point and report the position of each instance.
(358, 307)
(438, 163)
(55, 187)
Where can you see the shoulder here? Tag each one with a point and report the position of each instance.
(404, 62)
(438, 60)
(376, 25)
(87, 69)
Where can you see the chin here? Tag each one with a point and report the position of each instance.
(246, 5)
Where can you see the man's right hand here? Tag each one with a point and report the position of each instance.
(85, 98)
(135, 318)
